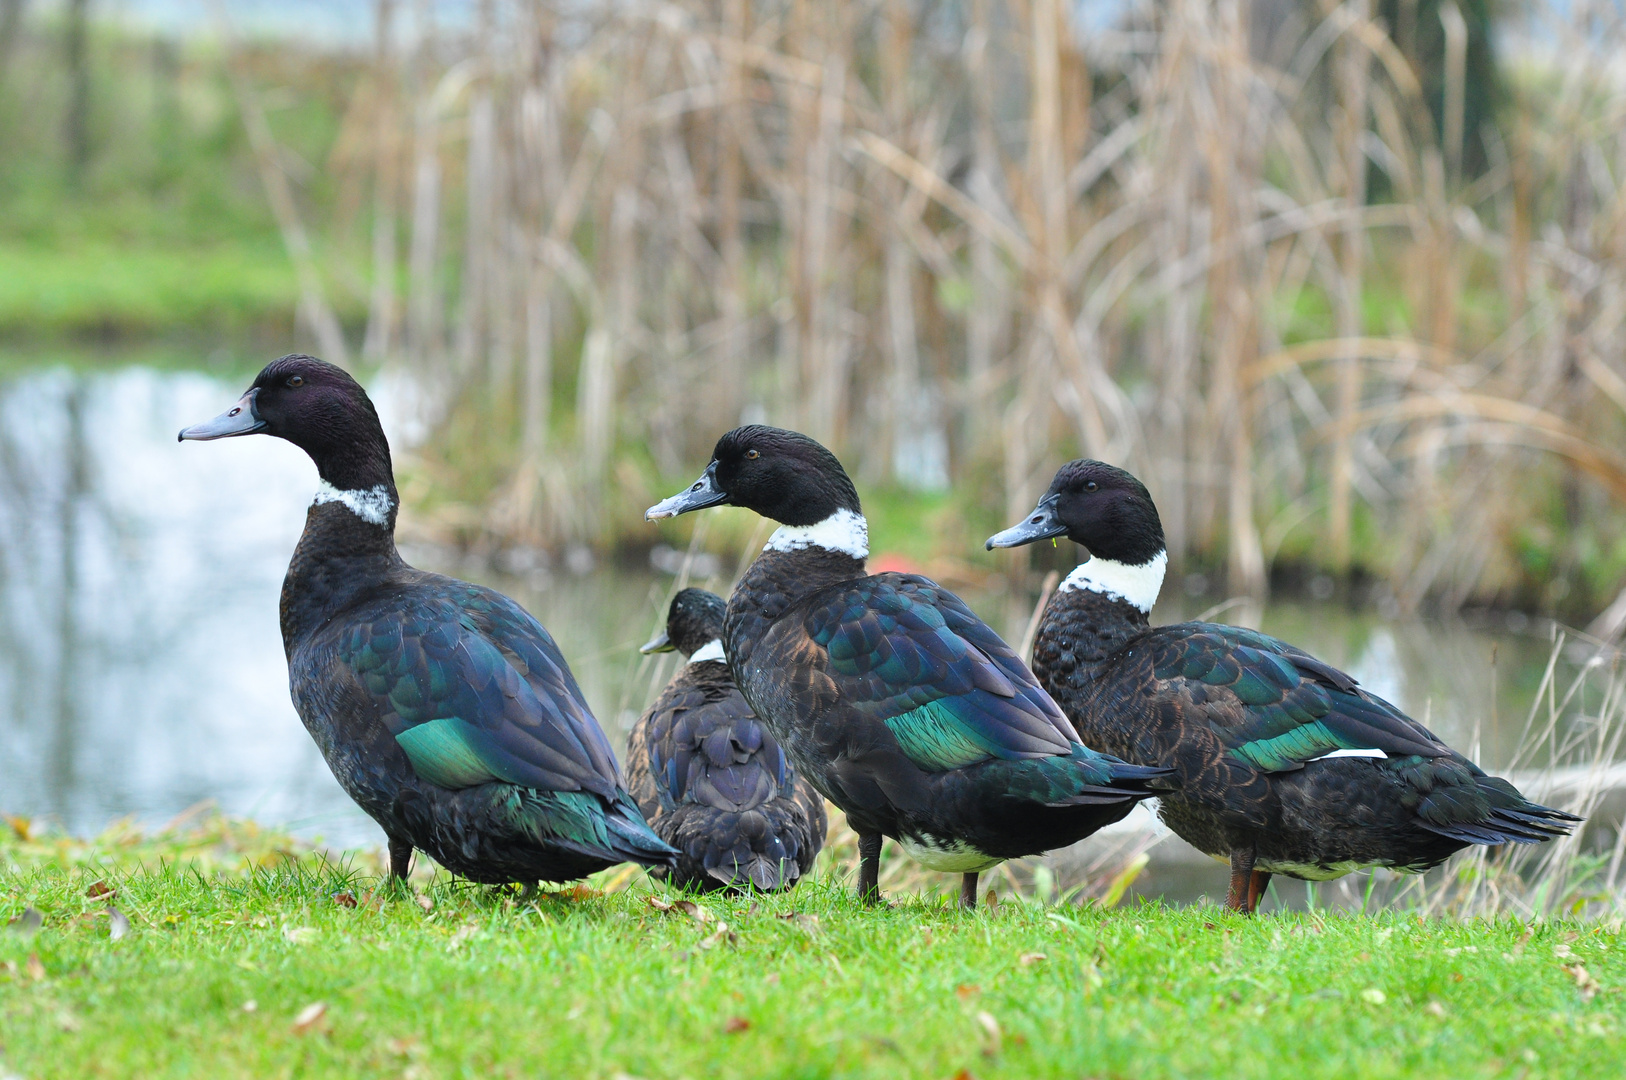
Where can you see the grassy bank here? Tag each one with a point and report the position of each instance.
(243, 957)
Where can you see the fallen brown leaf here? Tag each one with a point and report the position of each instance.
(967, 991)
(1028, 959)
(309, 1017)
(719, 936)
(964, 1074)
(993, 1038)
(424, 902)
(36, 970)
(99, 889)
(345, 898)
(1584, 981)
(736, 1024)
(23, 827)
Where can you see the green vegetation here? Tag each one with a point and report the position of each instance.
(244, 957)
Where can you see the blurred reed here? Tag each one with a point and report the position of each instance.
(1252, 251)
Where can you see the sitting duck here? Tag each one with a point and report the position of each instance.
(900, 705)
(444, 709)
(709, 779)
(1285, 764)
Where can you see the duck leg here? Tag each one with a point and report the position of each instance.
(869, 868)
(968, 891)
(1258, 881)
(1239, 898)
(400, 858)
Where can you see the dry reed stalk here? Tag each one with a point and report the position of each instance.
(314, 310)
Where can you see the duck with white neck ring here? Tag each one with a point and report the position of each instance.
(1285, 765)
(892, 698)
(443, 708)
(710, 780)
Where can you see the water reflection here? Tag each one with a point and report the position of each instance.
(141, 669)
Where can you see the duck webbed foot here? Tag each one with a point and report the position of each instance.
(869, 868)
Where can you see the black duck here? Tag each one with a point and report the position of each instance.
(1286, 766)
(443, 708)
(709, 779)
(898, 704)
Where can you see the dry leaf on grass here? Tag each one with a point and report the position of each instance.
(309, 1017)
(1028, 959)
(1584, 981)
(36, 970)
(99, 889)
(967, 991)
(992, 1037)
(736, 1024)
(345, 898)
(682, 907)
(424, 902)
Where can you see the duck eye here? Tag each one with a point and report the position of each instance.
(296, 380)
(752, 455)
(1090, 485)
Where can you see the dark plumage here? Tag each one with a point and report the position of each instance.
(896, 702)
(1247, 721)
(712, 782)
(443, 708)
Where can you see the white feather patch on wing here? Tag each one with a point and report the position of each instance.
(1137, 585)
(711, 650)
(1351, 753)
(372, 505)
(842, 531)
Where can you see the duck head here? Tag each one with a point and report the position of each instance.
(694, 621)
(1110, 514)
(320, 409)
(780, 474)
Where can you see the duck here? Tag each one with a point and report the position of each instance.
(899, 705)
(1286, 765)
(443, 708)
(709, 779)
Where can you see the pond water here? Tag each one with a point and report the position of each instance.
(141, 669)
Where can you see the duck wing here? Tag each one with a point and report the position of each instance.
(475, 690)
(710, 749)
(1273, 705)
(908, 653)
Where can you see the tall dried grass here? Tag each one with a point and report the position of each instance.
(964, 241)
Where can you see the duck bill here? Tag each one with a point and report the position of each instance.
(1042, 524)
(659, 643)
(240, 419)
(702, 493)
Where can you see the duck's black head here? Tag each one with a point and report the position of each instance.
(1099, 506)
(694, 621)
(780, 474)
(320, 409)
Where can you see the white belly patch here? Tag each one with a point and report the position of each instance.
(946, 856)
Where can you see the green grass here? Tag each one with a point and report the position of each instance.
(806, 985)
(142, 289)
